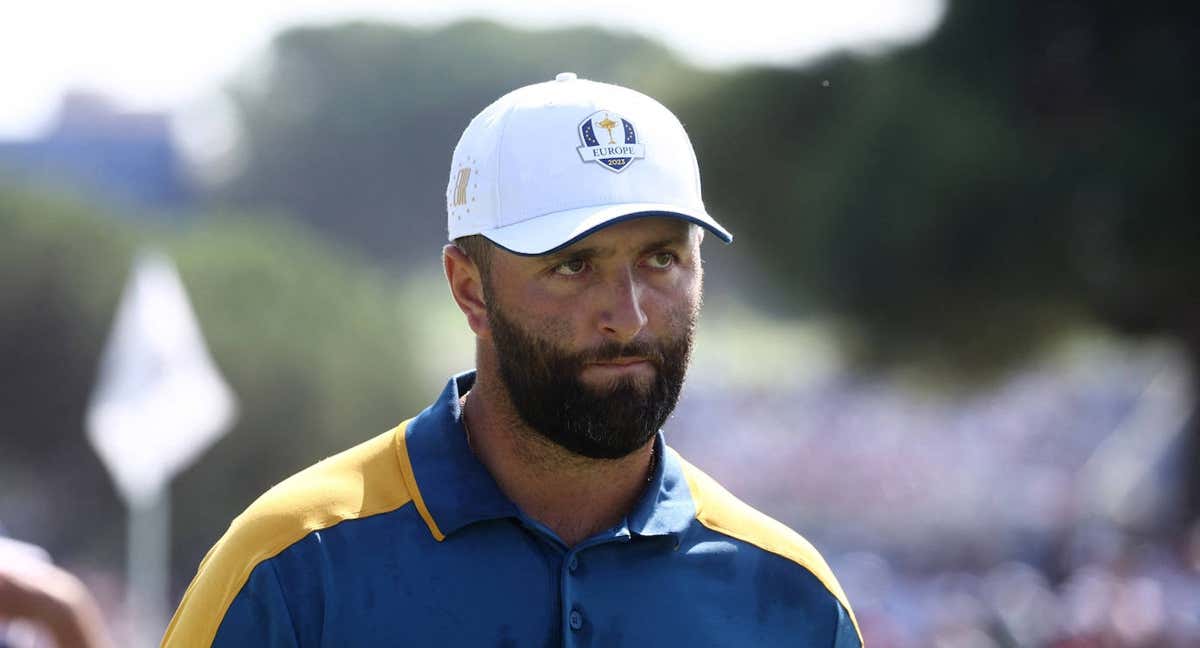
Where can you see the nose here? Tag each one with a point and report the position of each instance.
(622, 316)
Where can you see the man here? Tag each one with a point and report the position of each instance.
(535, 502)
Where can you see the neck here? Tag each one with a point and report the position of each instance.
(574, 496)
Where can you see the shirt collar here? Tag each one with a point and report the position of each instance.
(666, 507)
(457, 489)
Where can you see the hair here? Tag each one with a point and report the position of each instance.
(479, 250)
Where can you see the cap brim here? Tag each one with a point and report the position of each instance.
(551, 232)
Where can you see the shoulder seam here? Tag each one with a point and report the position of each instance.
(274, 552)
(264, 558)
(233, 586)
(359, 515)
(772, 548)
(819, 570)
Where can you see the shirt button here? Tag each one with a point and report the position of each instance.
(573, 564)
(576, 620)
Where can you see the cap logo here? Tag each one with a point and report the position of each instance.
(460, 187)
(609, 140)
(460, 195)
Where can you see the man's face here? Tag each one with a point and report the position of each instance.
(593, 341)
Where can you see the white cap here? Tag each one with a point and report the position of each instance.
(547, 164)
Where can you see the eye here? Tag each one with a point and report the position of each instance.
(661, 260)
(571, 267)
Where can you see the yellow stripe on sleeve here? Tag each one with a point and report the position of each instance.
(721, 511)
(362, 481)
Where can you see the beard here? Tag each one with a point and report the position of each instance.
(544, 386)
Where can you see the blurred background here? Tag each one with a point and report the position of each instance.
(956, 343)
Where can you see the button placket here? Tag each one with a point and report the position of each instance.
(571, 581)
(570, 590)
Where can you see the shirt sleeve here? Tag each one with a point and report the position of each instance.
(259, 614)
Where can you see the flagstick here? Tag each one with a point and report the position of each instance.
(159, 402)
(147, 566)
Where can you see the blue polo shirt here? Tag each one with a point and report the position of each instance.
(406, 540)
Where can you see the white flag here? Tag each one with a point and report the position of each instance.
(159, 401)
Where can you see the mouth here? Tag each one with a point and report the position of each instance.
(620, 362)
(619, 367)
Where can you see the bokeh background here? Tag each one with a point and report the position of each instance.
(956, 343)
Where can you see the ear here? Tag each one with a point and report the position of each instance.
(466, 286)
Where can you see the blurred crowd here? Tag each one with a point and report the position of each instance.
(964, 520)
(1140, 594)
(975, 521)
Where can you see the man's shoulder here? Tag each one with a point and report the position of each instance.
(719, 510)
(364, 480)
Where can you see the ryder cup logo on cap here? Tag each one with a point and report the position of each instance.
(614, 155)
(548, 164)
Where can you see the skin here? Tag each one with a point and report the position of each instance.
(52, 598)
(635, 280)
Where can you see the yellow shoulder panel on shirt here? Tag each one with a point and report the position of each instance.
(368, 479)
(721, 511)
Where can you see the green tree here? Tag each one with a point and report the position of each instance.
(965, 201)
(61, 270)
(315, 342)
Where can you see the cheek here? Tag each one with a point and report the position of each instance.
(682, 318)
(548, 320)
(557, 330)
(674, 310)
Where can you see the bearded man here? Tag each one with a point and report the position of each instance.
(535, 502)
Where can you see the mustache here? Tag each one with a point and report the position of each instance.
(610, 351)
